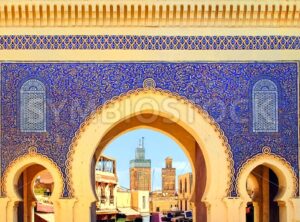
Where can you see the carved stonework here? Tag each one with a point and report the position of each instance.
(101, 82)
(32, 153)
(148, 42)
(149, 83)
(267, 154)
(180, 99)
(213, 13)
(32, 150)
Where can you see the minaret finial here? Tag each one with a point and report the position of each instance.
(142, 142)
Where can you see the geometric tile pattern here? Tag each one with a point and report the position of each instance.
(265, 106)
(33, 106)
(136, 42)
(223, 89)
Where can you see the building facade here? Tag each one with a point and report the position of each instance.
(165, 200)
(106, 188)
(123, 198)
(185, 182)
(162, 202)
(140, 201)
(220, 77)
(140, 170)
(168, 175)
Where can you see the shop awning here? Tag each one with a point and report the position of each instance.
(128, 211)
(105, 212)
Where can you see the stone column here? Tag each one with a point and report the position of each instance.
(194, 209)
(25, 194)
(295, 209)
(265, 195)
(236, 210)
(282, 212)
(287, 211)
(12, 211)
(3, 208)
(256, 211)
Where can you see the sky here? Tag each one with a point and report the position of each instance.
(158, 146)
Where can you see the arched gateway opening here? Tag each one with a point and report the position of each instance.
(262, 188)
(18, 186)
(143, 182)
(185, 141)
(266, 184)
(200, 137)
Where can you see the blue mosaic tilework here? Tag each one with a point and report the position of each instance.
(223, 89)
(113, 42)
(33, 106)
(265, 108)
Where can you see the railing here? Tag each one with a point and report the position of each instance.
(103, 199)
(111, 200)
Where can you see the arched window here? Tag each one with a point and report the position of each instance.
(33, 106)
(180, 186)
(265, 106)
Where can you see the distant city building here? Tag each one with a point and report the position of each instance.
(132, 204)
(140, 201)
(106, 188)
(185, 182)
(140, 170)
(168, 175)
(165, 200)
(162, 202)
(123, 198)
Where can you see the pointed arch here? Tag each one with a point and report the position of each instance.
(16, 167)
(157, 102)
(288, 181)
(12, 174)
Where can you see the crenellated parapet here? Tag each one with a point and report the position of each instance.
(212, 13)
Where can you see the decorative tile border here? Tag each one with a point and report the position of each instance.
(265, 155)
(207, 84)
(1, 131)
(134, 42)
(226, 149)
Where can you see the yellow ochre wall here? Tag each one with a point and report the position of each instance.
(123, 199)
(220, 206)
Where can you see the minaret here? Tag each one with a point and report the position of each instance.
(168, 176)
(140, 169)
(140, 150)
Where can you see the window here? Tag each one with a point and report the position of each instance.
(191, 181)
(103, 195)
(185, 185)
(265, 106)
(33, 106)
(144, 202)
(180, 189)
(111, 194)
